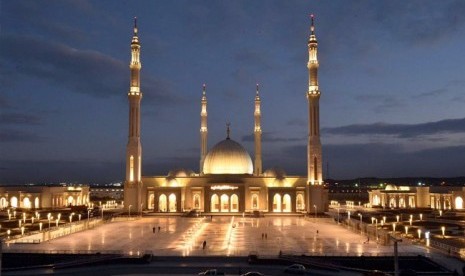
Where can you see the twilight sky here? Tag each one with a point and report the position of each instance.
(392, 78)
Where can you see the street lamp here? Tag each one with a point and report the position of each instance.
(40, 226)
(421, 217)
(129, 210)
(406, 230)
(419, 233)
(397, 217)
(443, 229)
(314, 206)
(394, 227)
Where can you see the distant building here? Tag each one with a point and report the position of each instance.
(106, 193)
(36, 197)
(441, 198)
(228, 180)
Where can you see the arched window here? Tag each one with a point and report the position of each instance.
(131, 168)
(300, 206)
(26, 203)
(172, 203)
(432, 203)
(376, 200)
(3, 203)
(197, 201)
(151, 202)
(411, 202)
(315, 167)
(287, 203)
(36, 203)
(70, 200)
(392, 203)
(234, 203)
(254, 202)
(215, 203)
(14, 202)
(162, 203)
(459, 202)
(401, 202)
(224, 203)
(277, 203)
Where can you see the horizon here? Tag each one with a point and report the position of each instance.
(390, 75)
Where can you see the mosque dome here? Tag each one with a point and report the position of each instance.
(180, 173)
(228, 157)
(275, 172)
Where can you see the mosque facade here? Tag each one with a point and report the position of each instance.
(228, 180)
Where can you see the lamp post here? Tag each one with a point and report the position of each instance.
(376, 228)
(129, 211)
(102, 210)
(40, 226)
(397, 217)
(394, 228)
(406, 230)
(421, 217)
(419, 233)
(141, 206)
(443, 229)
(337, 215)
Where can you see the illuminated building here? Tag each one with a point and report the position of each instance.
(36, 197)
(228, 180)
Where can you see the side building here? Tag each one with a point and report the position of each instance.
(38, 197)
(228, 180)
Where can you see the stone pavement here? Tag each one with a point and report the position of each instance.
(227, 236)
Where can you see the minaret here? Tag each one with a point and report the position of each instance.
(203, 128)
(258, 136)
(133, 184)
(314, 162)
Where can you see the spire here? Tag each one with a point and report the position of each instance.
(312, 27)
(204, 90)
(312, 38)
(135, 25)
(257, 97)
(135, 38)
(228, 130)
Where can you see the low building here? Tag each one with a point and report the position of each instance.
(441, 198)
(37, 197)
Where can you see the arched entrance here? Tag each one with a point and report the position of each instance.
(151, 201)
(197, 201)
(26, 203)
(459, 202)
(14, 202)
(162, 203)
(234, 203)
(376, 200)
(277, 203)
(70, 200)
(287, 203)
(392, 203)
(215, 203)
(224, 203)
(3, 203)
(401, 202)
(254, 202)
(36, 203)
(300, 206)
(172, 203)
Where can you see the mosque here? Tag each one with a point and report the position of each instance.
(228, 180)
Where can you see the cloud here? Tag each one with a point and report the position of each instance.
(19, 119)
(80, 71)
(380, 102)
(269, 137)
(401, 130)
(17, 136)
(346, 161)
(297, 122)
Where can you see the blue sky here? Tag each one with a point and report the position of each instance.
(391, 77)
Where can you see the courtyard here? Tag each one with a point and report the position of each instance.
(223, 235)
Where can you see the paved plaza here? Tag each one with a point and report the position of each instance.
(224, 235)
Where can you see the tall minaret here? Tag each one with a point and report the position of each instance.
(258, 136)
(314, 162)
(203, 128)
(133, 184)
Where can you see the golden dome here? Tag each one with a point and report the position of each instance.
(228, 157)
